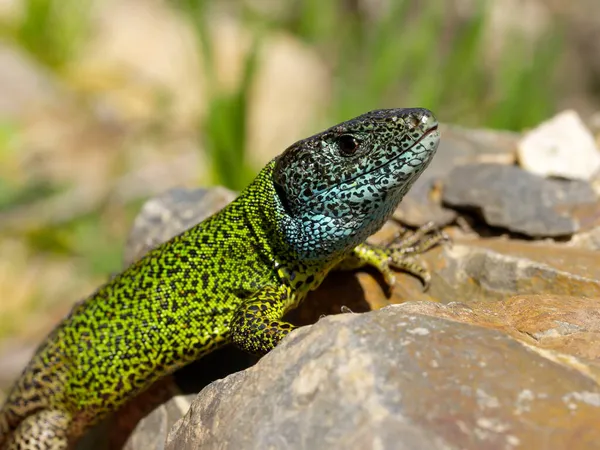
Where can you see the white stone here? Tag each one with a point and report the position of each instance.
(561, 146)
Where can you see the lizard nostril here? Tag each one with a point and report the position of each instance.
(414, 121)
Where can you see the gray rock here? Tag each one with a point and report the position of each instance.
(152, 430)
(393, 379)
(511, 198)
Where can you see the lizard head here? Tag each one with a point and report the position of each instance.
(341, 185)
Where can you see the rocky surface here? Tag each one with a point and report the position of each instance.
(396, 379)
(501, 352)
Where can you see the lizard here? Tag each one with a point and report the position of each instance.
(230, 278)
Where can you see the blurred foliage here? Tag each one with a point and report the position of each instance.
(406, 57)
(225, 126)
(51, 30)
(411, 55)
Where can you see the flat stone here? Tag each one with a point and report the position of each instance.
(393, 379)
(511, 198)
(562, 146)
(473, 271)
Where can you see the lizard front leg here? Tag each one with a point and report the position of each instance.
(257, 326)
(399, 254)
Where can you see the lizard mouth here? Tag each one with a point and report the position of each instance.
(433, 129)
(428, 132)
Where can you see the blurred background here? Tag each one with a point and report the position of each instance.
(105, 103)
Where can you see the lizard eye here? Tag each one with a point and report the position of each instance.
(348, 145)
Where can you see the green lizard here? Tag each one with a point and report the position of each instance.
(230, 278)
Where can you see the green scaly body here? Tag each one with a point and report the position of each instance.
(228, 279)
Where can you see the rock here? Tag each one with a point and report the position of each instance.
(588, 239)
(395, 379)
(566, 324)
(153, 429)
(562, 147)
(510, 198)
(458, 146)
(490, 270)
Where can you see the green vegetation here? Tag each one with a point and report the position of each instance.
(225, 126)
(51, 30)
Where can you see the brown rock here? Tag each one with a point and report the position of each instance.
(395, 379)
(570, 325)
(494, 269)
